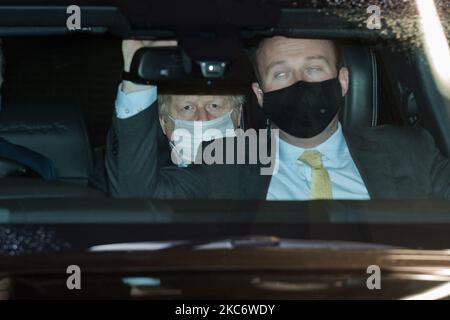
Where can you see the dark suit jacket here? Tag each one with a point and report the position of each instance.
(98, 179)
(396, 163)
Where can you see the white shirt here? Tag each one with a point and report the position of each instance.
(293, 179)
(128, 105)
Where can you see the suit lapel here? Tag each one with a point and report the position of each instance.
(251, 184)
(374, 165)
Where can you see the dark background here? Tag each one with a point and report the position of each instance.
(81, 70)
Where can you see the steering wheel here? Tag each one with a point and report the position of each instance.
(13, 169)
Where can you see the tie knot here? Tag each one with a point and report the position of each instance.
(312, 158)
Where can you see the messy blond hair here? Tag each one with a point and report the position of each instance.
(164, 101)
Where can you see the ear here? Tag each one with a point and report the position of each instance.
(344, 80)
(258, 93)
(239, 116)
(236, 116)
(162, 122)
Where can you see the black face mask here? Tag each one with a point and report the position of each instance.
(304, 109)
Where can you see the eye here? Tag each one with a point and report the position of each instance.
(214, 107)
(188, 108)
(280, 75)
(315, 69)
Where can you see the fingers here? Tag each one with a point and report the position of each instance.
(148, 43)
(162, 43)
(130, 46)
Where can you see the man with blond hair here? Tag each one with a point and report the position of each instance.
(178, 113)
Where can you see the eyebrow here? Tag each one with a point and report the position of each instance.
(192, 102)
(319, 57)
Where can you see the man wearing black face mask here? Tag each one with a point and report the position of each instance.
(301, 85)
(300, 88)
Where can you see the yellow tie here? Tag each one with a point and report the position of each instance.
(321, 184)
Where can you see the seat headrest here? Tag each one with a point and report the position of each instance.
(57, 132)
(361, 101)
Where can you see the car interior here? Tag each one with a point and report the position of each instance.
(58, 98)
(60, 85)
(60, 131)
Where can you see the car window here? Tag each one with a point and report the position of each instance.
(328, 129)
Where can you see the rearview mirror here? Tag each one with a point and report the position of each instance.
(153, 64)
(173, 70)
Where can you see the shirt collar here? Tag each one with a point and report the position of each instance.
(330, 149)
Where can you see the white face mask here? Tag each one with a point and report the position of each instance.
(189, 135)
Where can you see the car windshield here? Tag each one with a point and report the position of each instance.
(289, 125)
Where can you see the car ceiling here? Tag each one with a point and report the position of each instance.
(169, 18)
